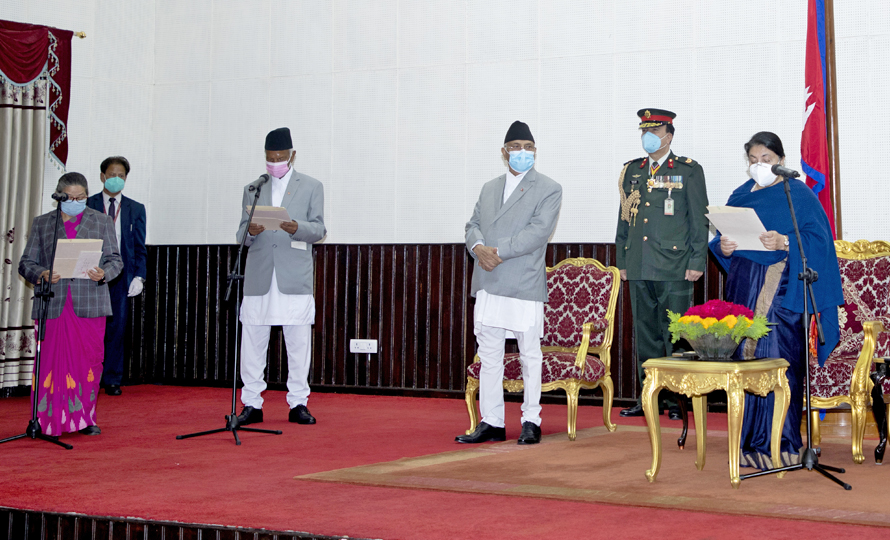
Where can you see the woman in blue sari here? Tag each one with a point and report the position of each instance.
(767, 283)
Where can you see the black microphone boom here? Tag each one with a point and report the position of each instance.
(61, 197)
(784, 171)
(256, 185)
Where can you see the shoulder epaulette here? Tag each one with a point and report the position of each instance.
(634, 159)
(686, 160)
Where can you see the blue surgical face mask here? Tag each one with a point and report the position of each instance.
(521, 160)
(651, 142)
(74, 208)
(114, 184)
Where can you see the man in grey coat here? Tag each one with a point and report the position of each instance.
(278, 279)
(513, 220)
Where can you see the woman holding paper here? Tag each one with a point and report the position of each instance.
(766, 282)
(72, 354)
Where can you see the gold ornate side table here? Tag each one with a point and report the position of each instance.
(696, 379)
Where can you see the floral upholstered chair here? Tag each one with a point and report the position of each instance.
(864, 326)
(579, 323)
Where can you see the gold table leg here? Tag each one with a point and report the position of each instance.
(781, 400)
(650, 409)
(736, 413)
(699, 409)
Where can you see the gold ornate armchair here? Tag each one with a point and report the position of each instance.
(864, 334)
(579, 324)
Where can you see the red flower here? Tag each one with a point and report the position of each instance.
(719, 309)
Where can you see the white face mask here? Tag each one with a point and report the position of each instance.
(761, 174)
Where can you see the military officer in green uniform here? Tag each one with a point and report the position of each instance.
(661, 241)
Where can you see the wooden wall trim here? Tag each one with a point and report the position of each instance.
(412, 298)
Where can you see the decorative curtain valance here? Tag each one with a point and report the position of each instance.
(34, 58)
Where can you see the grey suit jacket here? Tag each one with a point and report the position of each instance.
(90, 299)
(304, 201)
(520, 228)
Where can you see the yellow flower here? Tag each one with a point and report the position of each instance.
(729, 320)
(708, 321)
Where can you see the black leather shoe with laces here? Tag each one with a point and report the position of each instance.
(531, 434)
(483, 433)
(250, 415)
(300, 415)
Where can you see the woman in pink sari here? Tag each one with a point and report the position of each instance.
(67, 386)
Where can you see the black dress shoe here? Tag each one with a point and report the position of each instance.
(113, 390)
(250, 415)
(300, 415)
(90, 430)
(636, 410)
(531, 434)
(674, 412)
(483, 433)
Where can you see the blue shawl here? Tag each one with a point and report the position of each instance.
(771, 206)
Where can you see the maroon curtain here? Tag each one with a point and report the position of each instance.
(28, 52)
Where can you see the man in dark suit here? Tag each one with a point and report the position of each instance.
(129, 225)
(661, 240)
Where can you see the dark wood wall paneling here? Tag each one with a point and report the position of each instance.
(412, 298)
(37, 525)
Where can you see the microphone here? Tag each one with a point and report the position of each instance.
(783, 171)
(61, 197)
(262, 180)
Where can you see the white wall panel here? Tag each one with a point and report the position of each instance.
(239, 122)
(130, 23)
(385, 98)
(653, 25)
(429, 198)
(572, 28)
(364, 34)
(182, 189)
(363, 159)
(301, 37)
(501, 30)
(241, 39)
(432, 32)
(16, 10)
(183, 38)
(864, 62)
(575, 132)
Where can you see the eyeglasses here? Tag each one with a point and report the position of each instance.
(515, 147)
(78, 199)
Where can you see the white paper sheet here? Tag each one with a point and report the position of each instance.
(76, 256)
(738, 224)
(269, 217)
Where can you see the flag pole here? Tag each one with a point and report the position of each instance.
(831, 122)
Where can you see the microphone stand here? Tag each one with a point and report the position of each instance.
(44, 292)
(809, 458)
(232, 422)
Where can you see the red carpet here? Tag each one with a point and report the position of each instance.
(136, 468)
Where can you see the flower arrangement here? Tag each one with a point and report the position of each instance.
(716, 323)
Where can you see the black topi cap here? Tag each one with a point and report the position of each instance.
(655, 117)
(279, 139)
(519, 131)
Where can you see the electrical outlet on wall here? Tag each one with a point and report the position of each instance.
(363, 345)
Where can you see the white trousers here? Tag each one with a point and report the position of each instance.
(491, 377)
(254, 347)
